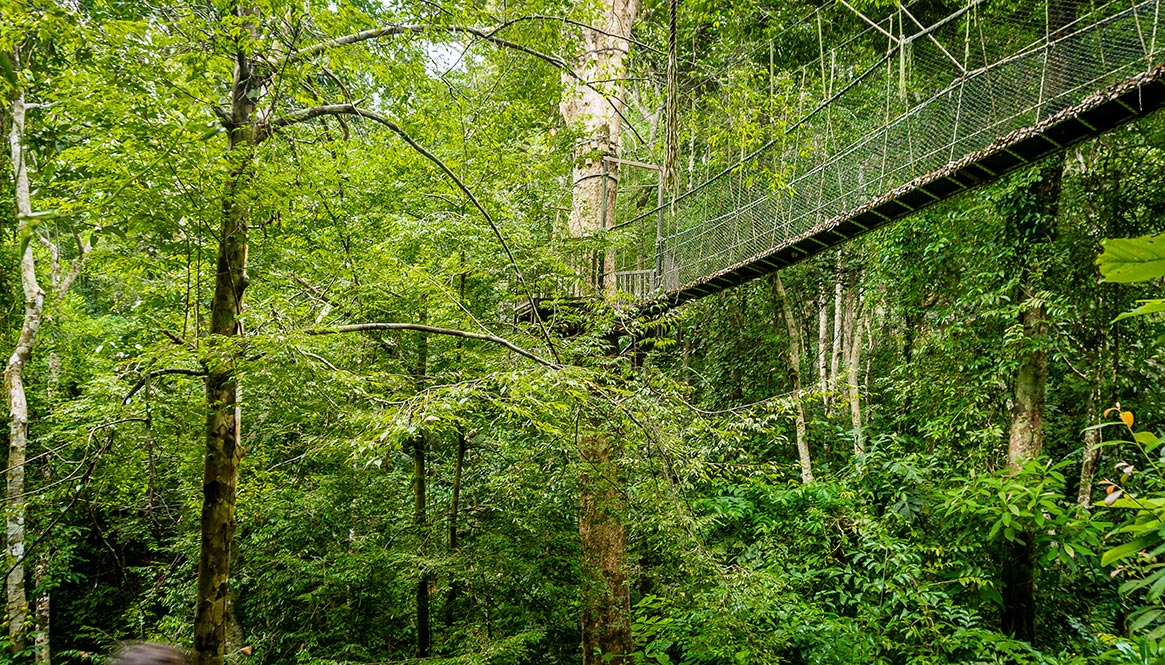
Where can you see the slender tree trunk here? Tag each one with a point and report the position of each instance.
(838, 325)
(606, 594)
(223, 444)
(41, 642)
(420, 519)
(420, 500)
(794, 357)
(853, 365)
(1091, 455)
(823, 346)
(454, 506)
(34, 296)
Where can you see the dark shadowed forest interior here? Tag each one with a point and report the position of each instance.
(584, 332)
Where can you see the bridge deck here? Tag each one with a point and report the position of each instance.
(1119, 104)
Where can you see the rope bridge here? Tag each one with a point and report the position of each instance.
(908, 112)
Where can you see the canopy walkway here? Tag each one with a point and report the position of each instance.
(907, 113)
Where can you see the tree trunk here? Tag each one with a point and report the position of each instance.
(794, 357)
(454, 506)
(1091, 455)
(606, 599)
(223, 445)
(14, 514)
(838, 324)
(420, 519)
(1032, 223)
(596, 108)
(823, 346)
(853, 364)
(41, 644)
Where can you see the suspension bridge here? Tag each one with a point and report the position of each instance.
(911, 110)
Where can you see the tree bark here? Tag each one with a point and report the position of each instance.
(1090, 458)
(853, 364)
(597, 109)
(454, 506)
(823, 346)
(606, 598)
(1032, 223)
(223, 445)
(41, 643)
(794, 358)
(838, 325)
(420, 519)
(17, 600)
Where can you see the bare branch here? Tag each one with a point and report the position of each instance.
(488, 35)
(416, 327)
(66, 283)
(155, 374)
(354, 38)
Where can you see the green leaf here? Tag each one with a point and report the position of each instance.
(1147, 307)
(1127, 260)
(1128, 549)
(7, 70)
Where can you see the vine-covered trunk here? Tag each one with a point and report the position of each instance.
(16, 605)
(41, 644)
(223, 445)
(1032, 224)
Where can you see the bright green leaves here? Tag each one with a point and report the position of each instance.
(1126, 260)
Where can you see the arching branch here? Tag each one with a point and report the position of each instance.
(351, 109)
(416, 327)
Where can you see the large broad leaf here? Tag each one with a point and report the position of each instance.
(1126, 550)
(1132, 259)
(1146, 307)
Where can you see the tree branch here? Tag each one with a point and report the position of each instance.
(155, 374)
(416, 327)
(488, 35)
(351, 109)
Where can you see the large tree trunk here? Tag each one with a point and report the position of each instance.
(794, 357)
(14, 514)
(596, 108)
(223, 445)
(1032, 223)
(606, 599)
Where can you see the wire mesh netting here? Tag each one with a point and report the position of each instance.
(905, 98)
